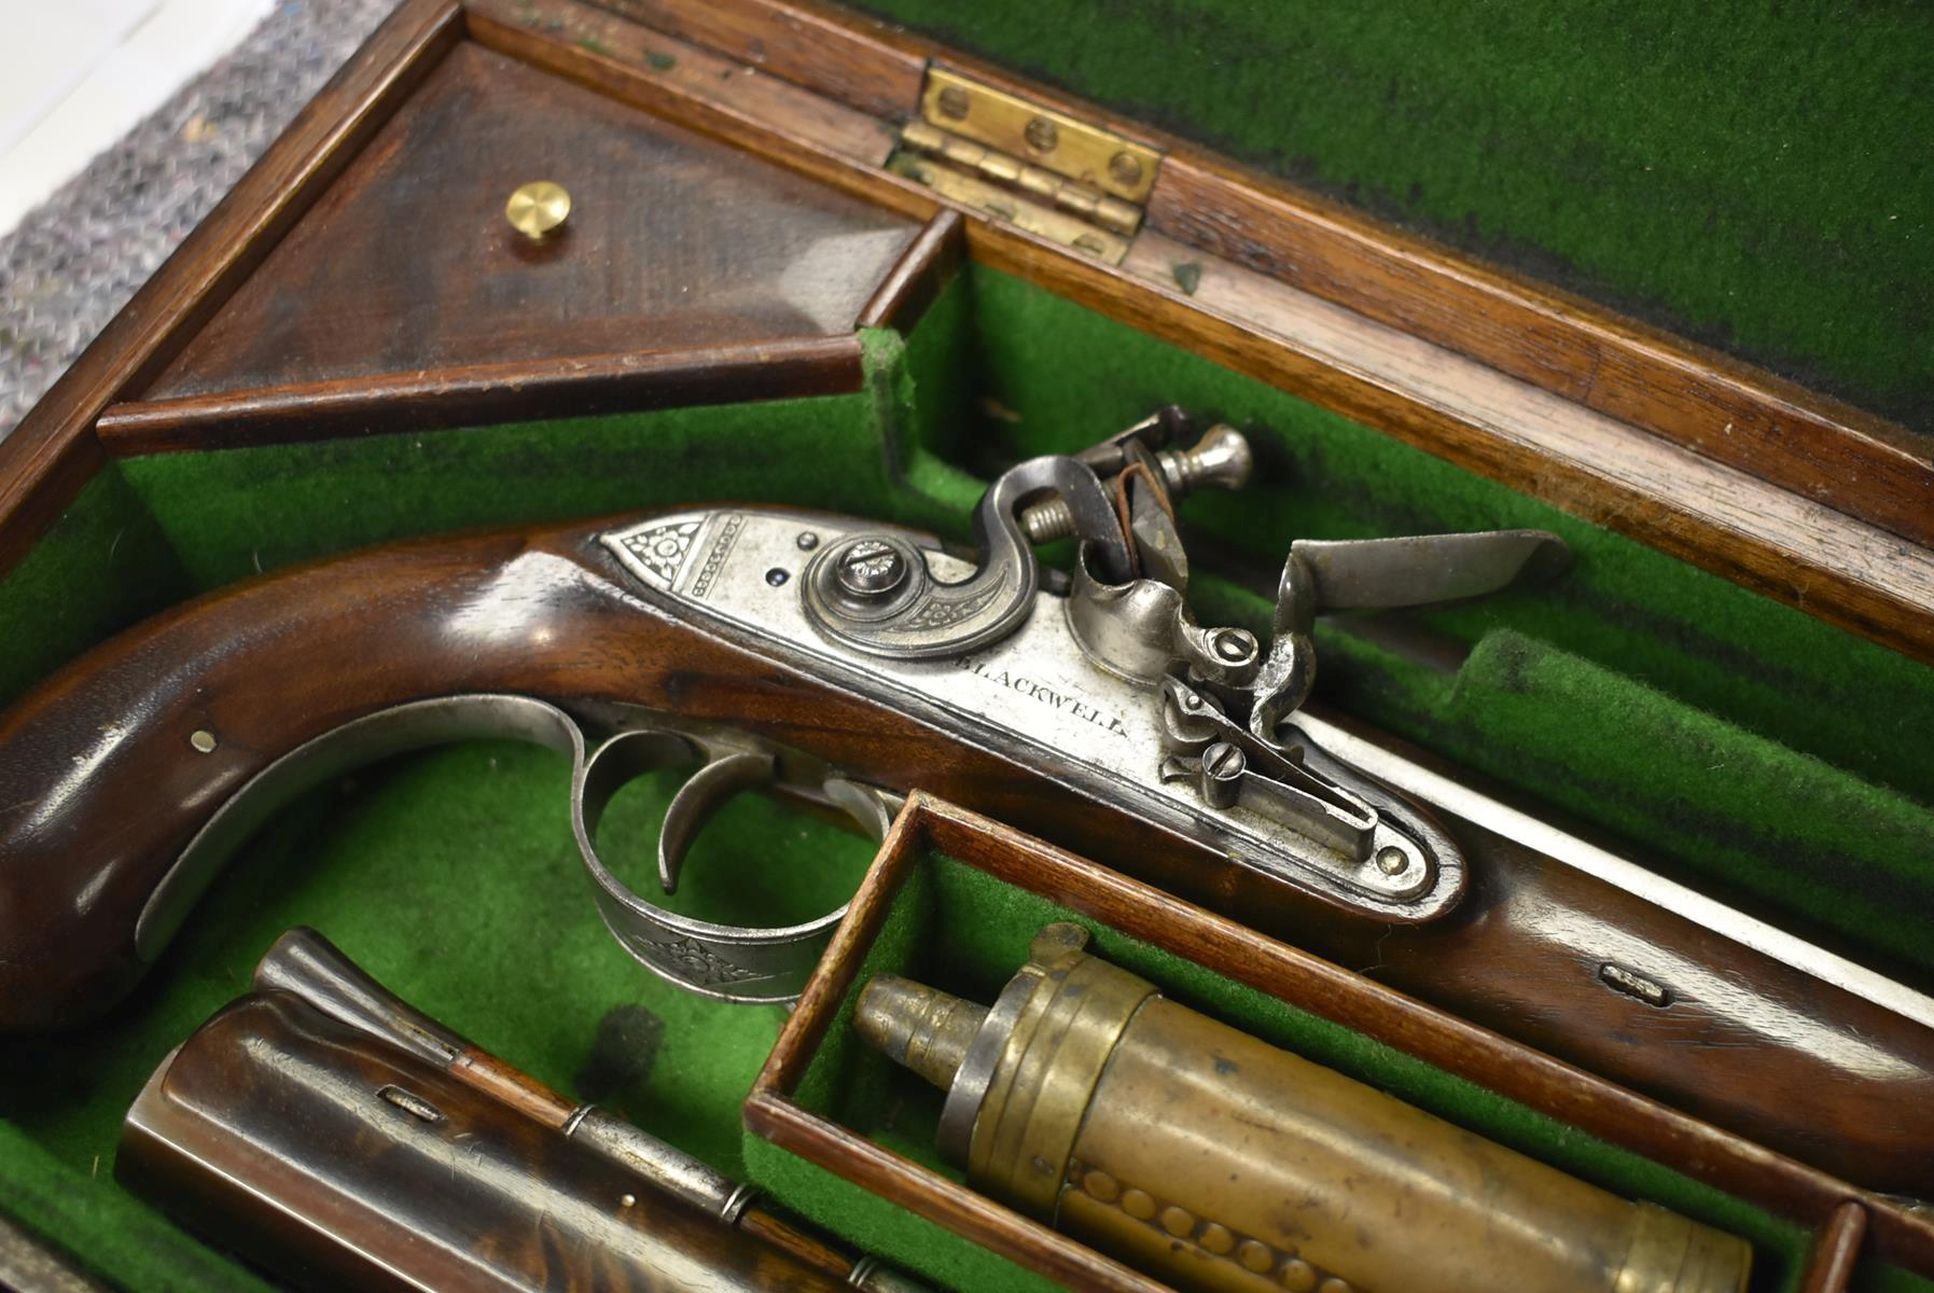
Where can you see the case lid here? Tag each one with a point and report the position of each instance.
(1754, 177)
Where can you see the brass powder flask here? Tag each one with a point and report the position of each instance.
(1204, 1156)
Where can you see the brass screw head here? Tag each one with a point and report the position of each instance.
(538, 208)
(1126, 168)
(1041, 135)
(954, 102)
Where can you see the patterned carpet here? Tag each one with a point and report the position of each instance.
(75, 260)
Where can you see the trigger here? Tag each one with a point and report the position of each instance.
(707, 788)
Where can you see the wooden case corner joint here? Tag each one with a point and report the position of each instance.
(1034, 166)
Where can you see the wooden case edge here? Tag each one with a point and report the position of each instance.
(1848, 1223)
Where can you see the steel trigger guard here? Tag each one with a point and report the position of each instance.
(726, 962)
(760, 965)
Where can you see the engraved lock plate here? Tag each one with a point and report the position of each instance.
(1033, 695)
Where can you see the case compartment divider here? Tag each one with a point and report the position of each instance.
(481, 394)
(1782, 1187)
(1836, 1250)
(925, 268)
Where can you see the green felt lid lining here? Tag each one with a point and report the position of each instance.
(1751, 175)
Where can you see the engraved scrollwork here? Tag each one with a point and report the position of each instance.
(692, 960)
(715, 559)
(661, 550)
(936, 613)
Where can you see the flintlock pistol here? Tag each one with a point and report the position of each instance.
(839, 658)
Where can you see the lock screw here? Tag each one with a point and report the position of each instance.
(870, 570)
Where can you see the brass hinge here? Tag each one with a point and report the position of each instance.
(1043, 170)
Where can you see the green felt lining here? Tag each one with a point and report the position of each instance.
(103, 565)
(1652, 648)
(1664, 770)
(230, 513)
(1749, 174)
(452, 876)
(104, 1230)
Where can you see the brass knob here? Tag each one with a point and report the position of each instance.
(537, 209)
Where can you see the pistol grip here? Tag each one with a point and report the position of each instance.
(109, 769)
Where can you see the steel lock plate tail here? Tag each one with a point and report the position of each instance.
(1032, 694)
